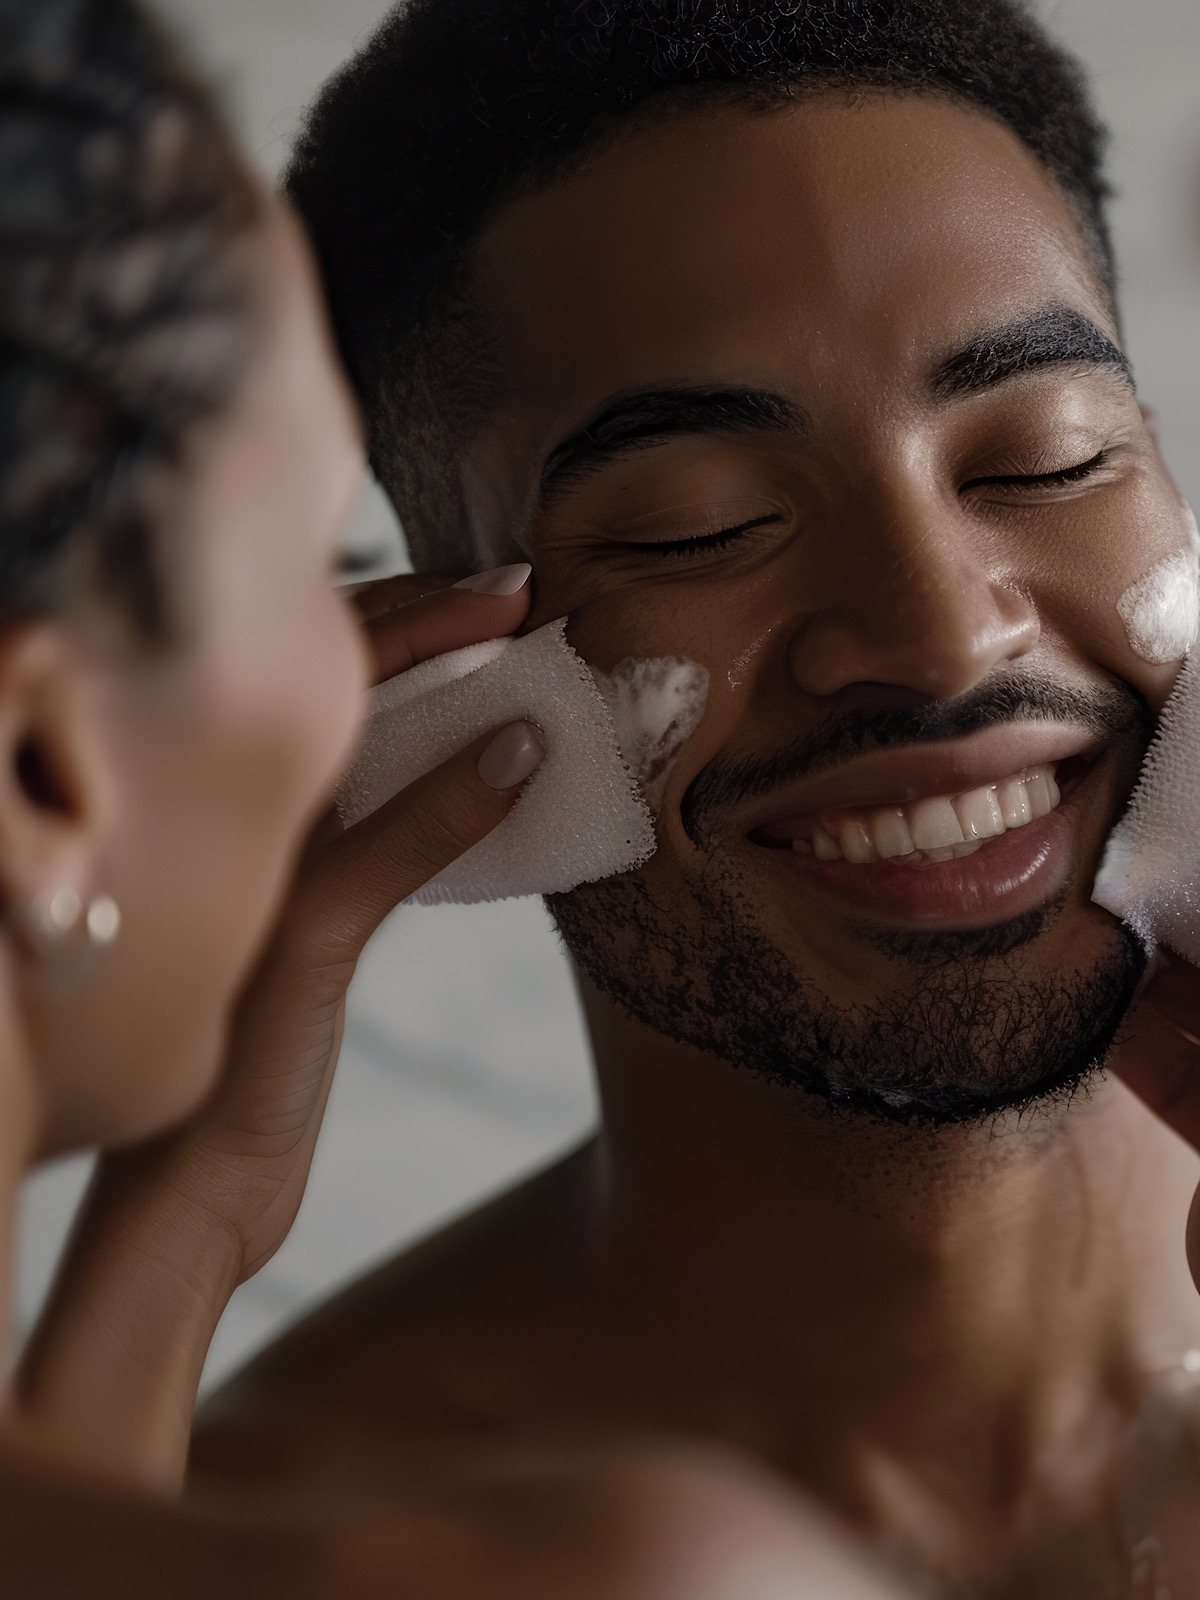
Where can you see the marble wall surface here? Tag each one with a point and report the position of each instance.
(465, 1064)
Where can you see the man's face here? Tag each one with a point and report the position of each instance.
(827, 399)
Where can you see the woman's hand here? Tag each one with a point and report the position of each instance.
(170, 1229)
(1159, 1051)
(1158, 1056)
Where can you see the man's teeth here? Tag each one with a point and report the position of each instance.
(937, 829)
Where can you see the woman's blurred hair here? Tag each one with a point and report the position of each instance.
(127, 301)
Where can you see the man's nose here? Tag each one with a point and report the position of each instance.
(930, 619)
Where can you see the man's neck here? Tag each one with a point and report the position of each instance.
(874, 1290)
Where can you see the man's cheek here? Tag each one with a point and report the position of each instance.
(656, 704)
(1160, 616)
(653, 661)
(1132, 606)
(728, 724)
(1153, 681)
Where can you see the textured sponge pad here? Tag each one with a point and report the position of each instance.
(1150, 874)
(580, 817)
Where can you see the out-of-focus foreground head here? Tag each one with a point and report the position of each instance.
(178, 679)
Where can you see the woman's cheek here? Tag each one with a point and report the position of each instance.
(348, 687)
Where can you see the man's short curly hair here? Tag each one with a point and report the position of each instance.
(455, 104)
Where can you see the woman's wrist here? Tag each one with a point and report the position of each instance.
(110, 1376)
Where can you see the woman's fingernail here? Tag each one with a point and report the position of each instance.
(500, 580)
(512, 756)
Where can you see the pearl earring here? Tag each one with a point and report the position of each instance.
(52, 918)
(53, 915)
(103, 920)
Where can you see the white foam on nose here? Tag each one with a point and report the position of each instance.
(581, 816)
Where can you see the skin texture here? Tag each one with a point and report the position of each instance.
(949, 1334)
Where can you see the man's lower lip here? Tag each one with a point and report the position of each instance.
(1005, 878)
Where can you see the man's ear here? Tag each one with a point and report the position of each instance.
(55, 794)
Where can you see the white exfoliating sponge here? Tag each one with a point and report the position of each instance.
(580, 817)
(1150, 874)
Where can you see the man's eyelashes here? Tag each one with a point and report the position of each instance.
(702, 544)
(708, 543)
(722, 538)
(1058, 478)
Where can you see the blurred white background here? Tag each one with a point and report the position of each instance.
(465, 1063)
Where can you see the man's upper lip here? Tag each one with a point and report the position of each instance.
(895, 776)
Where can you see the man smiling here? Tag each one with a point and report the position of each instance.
(782, 338)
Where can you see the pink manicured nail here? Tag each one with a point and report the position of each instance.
(500, 580)
(512, 756)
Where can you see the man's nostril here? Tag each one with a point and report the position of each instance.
(939, 643)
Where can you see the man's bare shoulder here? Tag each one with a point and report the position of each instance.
(418, 1347)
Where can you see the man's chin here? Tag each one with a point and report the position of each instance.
(978, 1030)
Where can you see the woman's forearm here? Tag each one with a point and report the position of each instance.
(109, 1379)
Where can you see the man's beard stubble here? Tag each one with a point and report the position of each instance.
(973, 1035)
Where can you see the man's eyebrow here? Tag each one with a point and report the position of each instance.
(638, 419)
(1053, 337)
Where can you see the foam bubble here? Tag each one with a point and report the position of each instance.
(656, 706)
(1161, 611)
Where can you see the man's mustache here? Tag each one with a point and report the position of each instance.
(1109, 710)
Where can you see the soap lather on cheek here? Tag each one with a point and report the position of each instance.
(656, 706)
(1150, 874)
(1161, 611)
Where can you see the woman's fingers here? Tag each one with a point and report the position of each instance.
(1158, 1057)
(486, 606)
(1158, 1053)
(355, 880)
(371, 600)
(1160, 1061)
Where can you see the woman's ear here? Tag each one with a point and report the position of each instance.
(56, 797)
